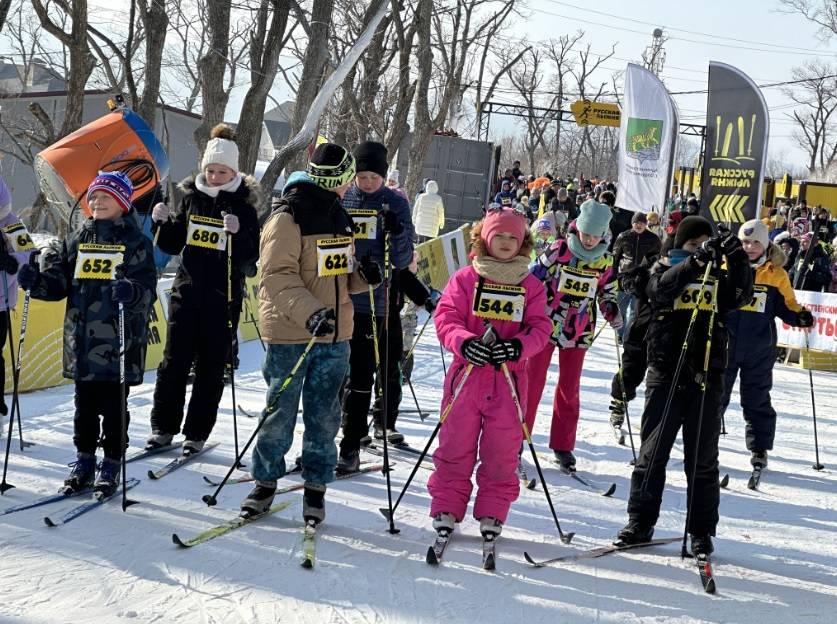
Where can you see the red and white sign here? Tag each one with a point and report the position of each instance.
(823, 335)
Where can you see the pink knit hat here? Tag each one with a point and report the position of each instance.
(503, 220)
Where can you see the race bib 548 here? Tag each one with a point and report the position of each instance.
(578, 283)
(207, 233)
(18, 237)
(334, 256)
(98, 261)
(500, 302)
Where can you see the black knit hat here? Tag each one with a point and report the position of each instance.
(331, 166)
(691, 227)
(371, 156)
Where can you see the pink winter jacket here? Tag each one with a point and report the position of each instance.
(455, 321)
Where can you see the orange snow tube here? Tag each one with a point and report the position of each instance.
(119, 141)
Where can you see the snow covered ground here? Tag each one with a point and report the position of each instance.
(776, 552)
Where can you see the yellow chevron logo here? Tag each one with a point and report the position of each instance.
(727, 208)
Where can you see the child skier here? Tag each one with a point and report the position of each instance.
(15, 249)
(496, 290)
(107, 261)
(752, 338)
(216, 217)
(577, 271)
(307, 276)
(674, 290)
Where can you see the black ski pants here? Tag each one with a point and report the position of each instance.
(756, 372)
(360, 384)
(701, 454)
(94, 399)
(198, 333)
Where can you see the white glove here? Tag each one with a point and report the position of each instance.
(231, 223)
(160, 213)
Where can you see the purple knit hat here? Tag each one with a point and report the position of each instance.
(116, 184)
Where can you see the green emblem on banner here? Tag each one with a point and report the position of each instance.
(643, 138)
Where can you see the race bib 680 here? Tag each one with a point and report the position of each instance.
(207, 233)
(500, 302)
(98, 261)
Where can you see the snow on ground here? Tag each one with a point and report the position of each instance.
(776, 551)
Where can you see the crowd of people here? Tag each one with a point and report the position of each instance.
(337, 258)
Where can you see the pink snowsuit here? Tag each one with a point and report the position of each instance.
(484, 414)
(572, 307)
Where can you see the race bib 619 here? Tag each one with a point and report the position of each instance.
(98, 261)
(207, 233)
(500, 302)
(334, 256)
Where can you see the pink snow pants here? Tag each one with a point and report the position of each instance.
(482, 423)
(565, 406)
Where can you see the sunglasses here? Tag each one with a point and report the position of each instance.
(494, 207)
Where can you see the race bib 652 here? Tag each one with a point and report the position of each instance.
(98, 261)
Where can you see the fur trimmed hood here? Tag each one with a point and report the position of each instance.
(250, 190)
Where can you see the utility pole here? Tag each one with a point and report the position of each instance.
(654, 56)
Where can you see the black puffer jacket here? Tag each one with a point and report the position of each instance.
(631, 249)
(670, 290)
(202, 276)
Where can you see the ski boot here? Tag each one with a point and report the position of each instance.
(759, 460)
(82, 475)
(393, 436)
(634, 532)
(158, 439)
(702, 545)
(566, 460)
(259, 499)
(193, 447)
(443, 523)
(108, 480)
(490, 527)
(348, 462)
(313, 503)
(617, 413)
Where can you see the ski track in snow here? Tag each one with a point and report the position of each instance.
(776, 552)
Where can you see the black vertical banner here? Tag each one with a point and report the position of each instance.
(737, 125)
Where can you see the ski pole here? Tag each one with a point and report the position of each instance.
(565, 537)
(817, 465)
(385, 384)
(680, 360)
(696, 445)
(596, 335)
(24, 323)
(254, 321)
(123, 407)
(212, 499)
(417, 338)
(415, 399)
(624, 392)
(442, 355)
(387, 513)
(232, 341)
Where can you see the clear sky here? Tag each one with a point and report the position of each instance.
(749, 34)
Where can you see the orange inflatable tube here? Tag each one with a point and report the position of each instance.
(119, 141)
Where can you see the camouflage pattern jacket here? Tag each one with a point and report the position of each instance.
(91, 330)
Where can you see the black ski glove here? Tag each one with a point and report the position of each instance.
(704, 254)
(370, 271)
(729, 245)
(476, 352)
(504, 351)
(432, 301)
(8, 263)
(122, 291)
(392, 223)
(28, 276)
(321, 323)
(806, 319)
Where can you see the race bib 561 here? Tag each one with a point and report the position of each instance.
(578, 283)
(500, 302)
(18, 237)
(207, 233)
(758, 303)
(366, 223)
(98, 261)
(334, 256)
(692, 297)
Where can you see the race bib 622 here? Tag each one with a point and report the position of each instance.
(18, 237)
(500, 302)
(98, 261)
(334, 256)
(578, 283)
(692, 297)
(207, 233)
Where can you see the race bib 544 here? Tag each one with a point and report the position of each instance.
(334, 256)
(500, 302)
(98, 261)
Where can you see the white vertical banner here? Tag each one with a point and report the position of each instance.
(647, 141)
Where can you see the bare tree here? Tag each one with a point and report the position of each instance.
(527, 79)
(266, 44)
(823, 13)
(4, 11)
(560, 51)
(817, 100)
(211, 69)
(155, 21)
(81, 61)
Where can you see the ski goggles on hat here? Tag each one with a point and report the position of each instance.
(332, 176)
(495, 207)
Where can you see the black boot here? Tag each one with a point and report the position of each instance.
(259, 499)
(313, 503)
(702, 545)
(566, 460)
(635, 532)
(348, 462)
(82, 475)
(108, 480)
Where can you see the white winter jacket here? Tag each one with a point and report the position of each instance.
(429, 211)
